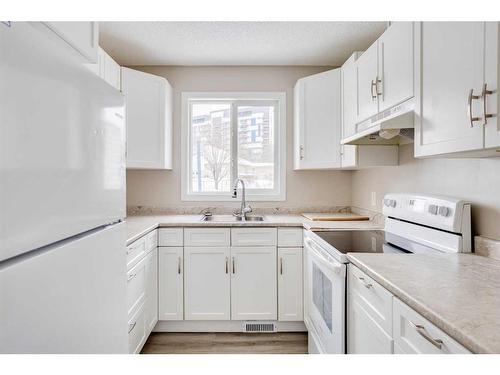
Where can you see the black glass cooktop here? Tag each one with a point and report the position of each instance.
(355, 241)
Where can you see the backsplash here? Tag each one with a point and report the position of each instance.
(223, 210)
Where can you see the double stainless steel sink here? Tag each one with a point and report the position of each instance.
(231, 218)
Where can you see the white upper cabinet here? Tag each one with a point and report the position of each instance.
(148, 100)
(368, 83)
(82, 37)
(317, 121)
(395, 65)
(385, 72)
(454, 67)
(358, 156)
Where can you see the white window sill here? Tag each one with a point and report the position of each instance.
(229, 198)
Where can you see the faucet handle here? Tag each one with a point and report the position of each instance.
(247, 209)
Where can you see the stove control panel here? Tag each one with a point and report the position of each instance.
(434, 211)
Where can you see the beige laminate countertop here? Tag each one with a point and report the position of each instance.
(459, 293)
(138, 226)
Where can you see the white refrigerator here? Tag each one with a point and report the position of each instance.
(62, 200)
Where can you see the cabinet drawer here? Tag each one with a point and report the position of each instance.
(207, 237)
(151, 241)
(415, 334)
(253, 237)
(375, 299)
(170, 237)
(135, 252)
(136, 286)
(290, 237)
(136, 331)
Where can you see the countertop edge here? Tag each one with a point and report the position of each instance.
(422, 309)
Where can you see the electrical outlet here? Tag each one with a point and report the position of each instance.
(374, 199)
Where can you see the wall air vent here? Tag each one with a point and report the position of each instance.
(256, 327)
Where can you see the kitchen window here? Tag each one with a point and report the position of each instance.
(231, 135)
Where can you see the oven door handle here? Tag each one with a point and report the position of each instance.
(318, 254)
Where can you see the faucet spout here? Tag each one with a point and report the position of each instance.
(244, 209)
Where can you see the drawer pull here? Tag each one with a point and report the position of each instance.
(131, 276)
(131, 327)
(438, 343)
(367, 285)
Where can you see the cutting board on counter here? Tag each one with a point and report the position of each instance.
(336, 216)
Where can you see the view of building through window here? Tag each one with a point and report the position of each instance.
(212, 168)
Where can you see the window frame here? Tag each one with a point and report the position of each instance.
(236, 99)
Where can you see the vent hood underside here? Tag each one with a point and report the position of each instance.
(391, 127)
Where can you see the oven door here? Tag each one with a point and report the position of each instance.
(325, 304)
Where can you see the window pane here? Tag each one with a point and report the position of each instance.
(210, 147)
(256, 146)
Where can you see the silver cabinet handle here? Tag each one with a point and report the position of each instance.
(131, 327)
(438, 343)
(373, 85)
(469, 107)
(227, 267)
(367, 285)
(281, 266)
(130, 277)
(179, 265)
(301, 152)
(234, 269)
(485, 92)
(377, 81)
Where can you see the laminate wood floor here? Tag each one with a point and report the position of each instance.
(226, 343)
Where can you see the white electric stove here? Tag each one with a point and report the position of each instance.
(414, 223)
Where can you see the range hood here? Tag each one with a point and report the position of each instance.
(394, 126)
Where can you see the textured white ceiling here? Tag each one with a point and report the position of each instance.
(236, 43)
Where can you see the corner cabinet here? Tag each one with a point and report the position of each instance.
(148, 100)
(457, 100)
(317, 121)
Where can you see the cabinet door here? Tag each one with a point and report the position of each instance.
(491, 74)
(364, 336)
(367, 71)
(290, 307)
(151, 308)
(171, 285)
(450, 56)
(149, 120)
(253, 283)
(207, 283)
(395, 53)
(349, 109)
(317, 122)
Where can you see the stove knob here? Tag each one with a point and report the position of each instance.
(387, 202)
(444, 211)
(433, 209)
(393, 203)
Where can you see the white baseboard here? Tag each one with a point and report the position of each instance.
(220, 326)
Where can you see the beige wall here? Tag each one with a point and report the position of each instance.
(476, 180)
(304, 188)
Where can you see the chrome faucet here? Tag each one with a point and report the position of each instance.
(244, 209)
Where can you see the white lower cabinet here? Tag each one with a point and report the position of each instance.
(171, 283)
(207, 283)
(414, 334)
(290, 296)
(364, 336)
(253, 283)
(136, 286)
(151, 307)
(378, 322)
(137, 334)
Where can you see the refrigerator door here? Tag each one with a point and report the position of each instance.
(69, 298)
(62, 143)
